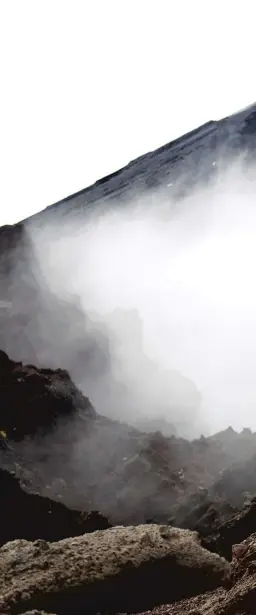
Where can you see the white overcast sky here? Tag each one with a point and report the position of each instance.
(88, 85)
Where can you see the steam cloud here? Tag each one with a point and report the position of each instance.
(165, 288)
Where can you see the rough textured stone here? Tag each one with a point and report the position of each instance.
(33, 398)
(117, 569)
(237, 599)
(233, 531)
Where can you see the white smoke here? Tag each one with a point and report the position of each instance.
(173, 281)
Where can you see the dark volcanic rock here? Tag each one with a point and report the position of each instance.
(30, 516)
(32, 399)
(239, 448)
(226, 513)
(237, 481)
(54, 436)
(207, 510)
(233, 531)
(202, 514)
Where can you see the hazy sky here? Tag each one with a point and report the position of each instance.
(88, 85)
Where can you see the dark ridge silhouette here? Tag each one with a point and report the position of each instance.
(31, 517)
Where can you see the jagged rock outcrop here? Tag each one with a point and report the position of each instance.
(209, 510)
(239, 479)
(30, 516)
(234, 530)
(53, 434)
(118, 570)
(200, 513)
(239, 447)
(32, 399)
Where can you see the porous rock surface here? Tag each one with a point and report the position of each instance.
(119, 569)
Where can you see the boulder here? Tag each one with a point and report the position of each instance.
(122, 569)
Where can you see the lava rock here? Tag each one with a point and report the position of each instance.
(32, 399)
(233, 531)
(118, 570)
(52, 434)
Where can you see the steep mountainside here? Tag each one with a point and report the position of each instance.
(61, 461)
(32, 316)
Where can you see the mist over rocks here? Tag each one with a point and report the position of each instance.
(38, 327)
(60, 447)
(144, 297)
(233, 530)
(147, 332)
(105, 356)
(31, 517)
(159, 239)
(238, 481)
